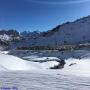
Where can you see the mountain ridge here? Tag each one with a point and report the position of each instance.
(65, 34)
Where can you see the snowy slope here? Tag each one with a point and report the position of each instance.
(71, 33)
(9, 62)
(75, 77)
(72, 67)
(5, 37)
(41, 81)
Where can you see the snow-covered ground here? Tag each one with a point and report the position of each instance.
(28, 75)
(9, 62)
(73, 66)
(42, 81)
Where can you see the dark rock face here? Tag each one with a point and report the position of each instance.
(60, 65)
(4, 45)
(72, 64)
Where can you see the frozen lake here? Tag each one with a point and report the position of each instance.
(42, 81)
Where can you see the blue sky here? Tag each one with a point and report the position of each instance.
(41, 15)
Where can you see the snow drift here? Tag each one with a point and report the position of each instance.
(9, 62)
(72, 66)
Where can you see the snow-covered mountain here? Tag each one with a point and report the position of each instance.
(69, 33)
(76, 32)
(6, 37)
